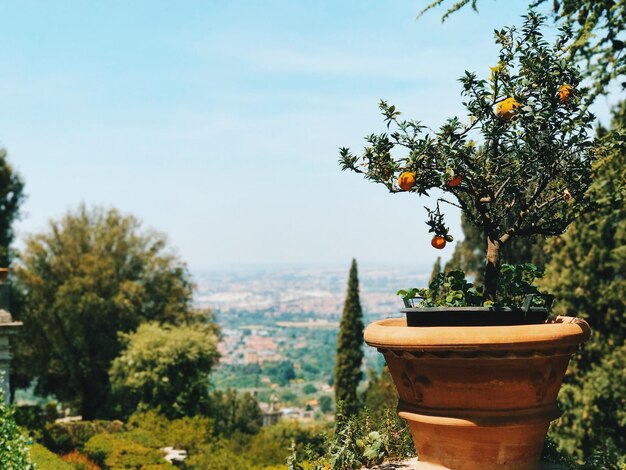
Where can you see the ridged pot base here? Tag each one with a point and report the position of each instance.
(478, 397)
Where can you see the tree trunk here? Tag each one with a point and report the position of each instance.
(492, 269)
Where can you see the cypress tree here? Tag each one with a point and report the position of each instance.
(349, 349)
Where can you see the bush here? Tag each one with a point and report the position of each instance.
(271, 445)
(218, 456)
(116, 451)
(14, 453)
(46, 460)
(80, 461)
(154, 430)
(66, 437)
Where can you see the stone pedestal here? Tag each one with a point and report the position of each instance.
(7, 327)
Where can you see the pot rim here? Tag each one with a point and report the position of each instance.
(393, 333)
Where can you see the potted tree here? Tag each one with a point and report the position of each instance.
(479, 375)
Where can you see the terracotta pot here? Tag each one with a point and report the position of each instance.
(478, 397)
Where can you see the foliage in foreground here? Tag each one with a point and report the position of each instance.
(14, 447)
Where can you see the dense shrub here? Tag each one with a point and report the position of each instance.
(46, 460)
(66, 437)
(116, 451)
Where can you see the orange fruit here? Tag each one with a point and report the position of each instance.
(406, 180)
(455, 181)
(438, 242)
(506, 109)
(565, 92)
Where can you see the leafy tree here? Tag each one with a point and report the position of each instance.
(235, 413)
(597, 27)
(11, 197)
(586, 273)
(528, 173)
(164, 368)
(92, 274)
(349, 348)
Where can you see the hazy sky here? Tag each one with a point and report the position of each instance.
(218, 122)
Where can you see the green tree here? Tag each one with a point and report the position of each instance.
(597, 27)
(165, 368)
(349, 348)
(586, 273)
(530, 172)
(235, 413)
(91, 275)
(11, 198)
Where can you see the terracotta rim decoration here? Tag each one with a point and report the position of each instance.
(478, 397)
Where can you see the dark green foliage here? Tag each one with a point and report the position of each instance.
(14, 449)
(586, 272)
(326, 403)
(235, 413)
(91, 275)
(11, 198)
(164, 368)
(598, 40)
(349, 348)
(65, 437)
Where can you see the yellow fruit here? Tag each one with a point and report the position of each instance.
(406, 180)
(506, 109)
(565, 92)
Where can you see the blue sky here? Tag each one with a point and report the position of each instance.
(218, 123)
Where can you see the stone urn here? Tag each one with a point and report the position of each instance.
(479, 397)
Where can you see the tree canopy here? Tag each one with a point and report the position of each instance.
(11, 197)
(90, 275)
(526, 173)
(164, 368)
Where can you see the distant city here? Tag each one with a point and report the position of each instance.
(302, 290)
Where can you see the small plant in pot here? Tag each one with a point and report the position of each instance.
(479, 373)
